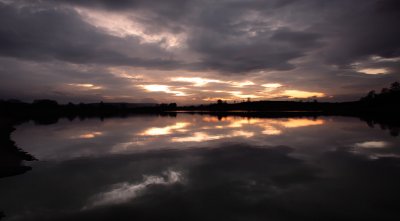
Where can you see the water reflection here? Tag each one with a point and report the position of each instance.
(372, 144)
(89, 138)
(223, 183)
(154, 131)
(88, 135)
(67, 140)
(376, 149)
(194, 167)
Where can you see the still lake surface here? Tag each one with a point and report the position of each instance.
(200, 167)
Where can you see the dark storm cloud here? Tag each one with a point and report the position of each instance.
(363, 30)
(309, 44)
(43, 33)
(230, 54)
(220, 32)
(171, 5)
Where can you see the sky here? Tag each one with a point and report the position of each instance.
(197, 51)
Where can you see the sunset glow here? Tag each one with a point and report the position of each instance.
(373, 71)
(89, 135)
(86, 86)
(197, 81)
(199, 110)
(292, 123)
(272, 85)
(228, 127)
(184, 53)
(163, 88)
(302, 94)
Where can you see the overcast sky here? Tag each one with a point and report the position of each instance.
(197, 51)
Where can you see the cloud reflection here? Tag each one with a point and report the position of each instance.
(291, 123)
(93, 138)
(124, 192)
(375, 149)
(228, 128)
(197, 137)
(372, 144)
(155, 131)
(270, 130)
(273, 126)
(202, 136)
(88, 135)
(89, 138)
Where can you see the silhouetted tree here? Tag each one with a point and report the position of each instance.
(395, 86)
(172, 105)
(14, 101)
(45, 102)
(163, 105)
(370, 96)
(384, 90)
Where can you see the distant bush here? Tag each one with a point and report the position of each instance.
(386, 96)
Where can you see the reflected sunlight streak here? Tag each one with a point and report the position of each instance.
(292, 123)
(372, 144)
(89, 135)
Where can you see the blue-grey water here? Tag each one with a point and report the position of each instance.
(200, 167)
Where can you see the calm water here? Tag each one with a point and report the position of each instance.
(198, 167)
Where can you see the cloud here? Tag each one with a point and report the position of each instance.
(272, 85)
(44, 33)
(305, 45)
(302, 94)
(163, 88)
(232, 54)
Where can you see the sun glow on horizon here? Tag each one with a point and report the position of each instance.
(302, 94)
(272, 85)
(197, 81)
(201, 82)
(241, 84)
(86, 86)
(163, 88)
(240, 94)
(212, 90)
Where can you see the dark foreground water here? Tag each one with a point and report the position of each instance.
(194, 167)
